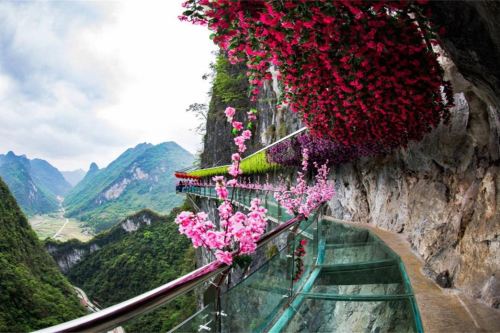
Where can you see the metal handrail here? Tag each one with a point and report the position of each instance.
(117, 314)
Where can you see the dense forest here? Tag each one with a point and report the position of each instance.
(131, 264)
(33, 293)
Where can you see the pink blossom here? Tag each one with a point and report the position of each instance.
(225, 210)
(303, 198)
(230, 112)
(224, 256)
(246, 134)
(234, 170)
(237, 232)
(251, 116)
(240, 142)
(236, 157)
(220, 187)
(237, 125)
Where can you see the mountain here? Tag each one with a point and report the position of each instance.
(142, 252)
(34, 183)
(34, 294)
(49, 177)
(73, 177)
(141, 177)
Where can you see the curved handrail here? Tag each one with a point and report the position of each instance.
(117, 314)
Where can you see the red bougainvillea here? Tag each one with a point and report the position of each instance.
(360, 72)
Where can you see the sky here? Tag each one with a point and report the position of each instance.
(81, 82)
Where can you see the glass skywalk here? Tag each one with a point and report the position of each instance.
(350, 282)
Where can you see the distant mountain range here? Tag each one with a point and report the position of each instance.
(35, 184)
(73, 177)
(141, 177)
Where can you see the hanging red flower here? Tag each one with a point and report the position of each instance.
(360, 72)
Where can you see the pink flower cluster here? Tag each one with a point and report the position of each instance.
(238, 233)
(303, 198)
(235, 170)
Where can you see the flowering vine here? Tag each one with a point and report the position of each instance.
(360, 72)
(237, 233)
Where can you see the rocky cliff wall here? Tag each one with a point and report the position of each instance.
(271, 124)
(443, 193)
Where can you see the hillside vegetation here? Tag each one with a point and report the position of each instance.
(34, 294)
(35, 184)
(128, 264)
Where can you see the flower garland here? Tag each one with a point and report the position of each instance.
(362, 73)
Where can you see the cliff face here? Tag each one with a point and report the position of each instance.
(443, 193)
(230, 88)
(472, 38)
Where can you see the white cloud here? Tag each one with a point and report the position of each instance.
(83, 81)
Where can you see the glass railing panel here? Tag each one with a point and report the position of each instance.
(256, 299)
(305, 252)
(318, 315)
(373, 281)
(252, 304)
(202, 321)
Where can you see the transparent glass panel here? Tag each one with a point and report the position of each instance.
(202, 321)
(315, 315)
(374, 281)
(357, 253)
(305, 252)
(251, 304)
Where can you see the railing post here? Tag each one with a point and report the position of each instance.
(292, 271)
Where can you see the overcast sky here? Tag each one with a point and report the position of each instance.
(83, 81)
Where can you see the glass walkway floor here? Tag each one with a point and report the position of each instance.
(350, 281)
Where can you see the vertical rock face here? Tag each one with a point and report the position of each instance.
(271, 124)
(442, 192)
(472, 38)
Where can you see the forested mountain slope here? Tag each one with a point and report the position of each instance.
(34, 294)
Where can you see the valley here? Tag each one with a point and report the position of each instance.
(56, 226)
